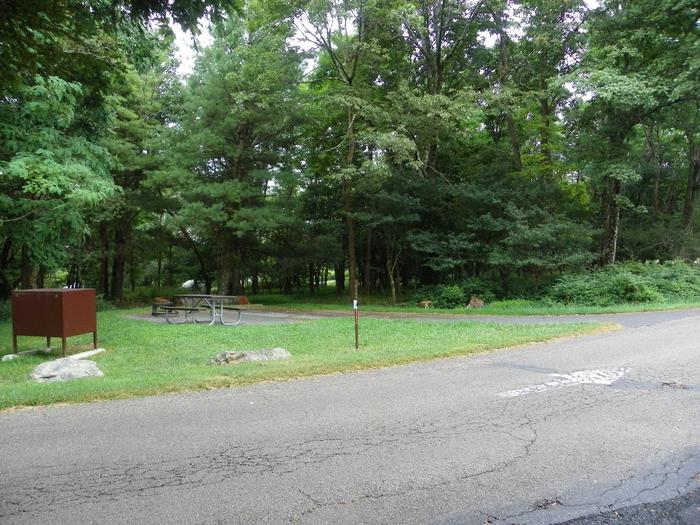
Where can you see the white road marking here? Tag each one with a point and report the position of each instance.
(580, 377)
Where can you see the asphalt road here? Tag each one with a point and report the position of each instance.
(492, 438)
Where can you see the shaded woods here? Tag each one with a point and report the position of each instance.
(379, 145)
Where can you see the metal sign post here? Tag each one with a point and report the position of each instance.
(357, 324)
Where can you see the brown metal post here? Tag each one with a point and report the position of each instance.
(48, 342)
(63, 345)
(94, 339)
(14, 343)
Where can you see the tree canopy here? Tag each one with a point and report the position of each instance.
(383, 144)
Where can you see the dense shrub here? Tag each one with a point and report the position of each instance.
(450, 296)
(424, 293)
(630, 283)
(144, 296)
(676, 281)
(454, 295)
(5, 310)
(103, 304)
(478, 287)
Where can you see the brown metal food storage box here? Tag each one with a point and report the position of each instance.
(54, 312)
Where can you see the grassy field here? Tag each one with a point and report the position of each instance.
(144, 358)
(330, 301)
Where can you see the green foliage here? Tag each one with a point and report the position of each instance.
(5, 310)
(630, 283)
(308, 128)
(144, 296)
(51, 175)
(455, 295)
(449, 296)
(103, 304)
(476, 286)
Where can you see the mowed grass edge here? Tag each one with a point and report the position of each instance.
(146, 358)
(499, 308)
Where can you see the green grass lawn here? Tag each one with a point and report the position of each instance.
(330, 301)
(144, 358)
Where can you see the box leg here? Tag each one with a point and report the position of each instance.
(63, 345)
(48, 342)
(14, 343)
(94, 339)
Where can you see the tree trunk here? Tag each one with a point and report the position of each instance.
(546, 112)
(514, 142)
(390, 277)
(347, 200)
(5, 285)
(170, 277)
(119, 260)
(504, 72)
(27, 270)
(367, 277)
(255, 284)
(236, 288)
(132, 272)
(225, 269)
(103, 285)
(692, 185)
(312, 279)
(611, 222)
(287, 285)
(653, 157)
(339, 277)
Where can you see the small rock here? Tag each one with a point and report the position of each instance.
(9, 357)
(65, 369)
(268, 354)
(476, 302)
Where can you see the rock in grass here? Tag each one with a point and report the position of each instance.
(9, 357)
(268, 354)
(65, 369)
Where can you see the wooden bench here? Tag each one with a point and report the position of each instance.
(159, 304)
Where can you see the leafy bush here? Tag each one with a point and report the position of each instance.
(675, 280)
(479, 287)
(5, 310)
(103, 304)
(425, 293)
(450, 296)
(454, 295)
(144, 296)
(633, 282)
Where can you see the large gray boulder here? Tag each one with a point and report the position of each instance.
(65, 369)
(268, 354)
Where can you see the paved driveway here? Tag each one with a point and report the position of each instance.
(541, 434)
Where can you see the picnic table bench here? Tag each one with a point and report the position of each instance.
(159, 304)
(214, 304)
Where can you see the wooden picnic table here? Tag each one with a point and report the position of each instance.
(215, 304)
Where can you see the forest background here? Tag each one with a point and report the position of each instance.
(402, 148)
